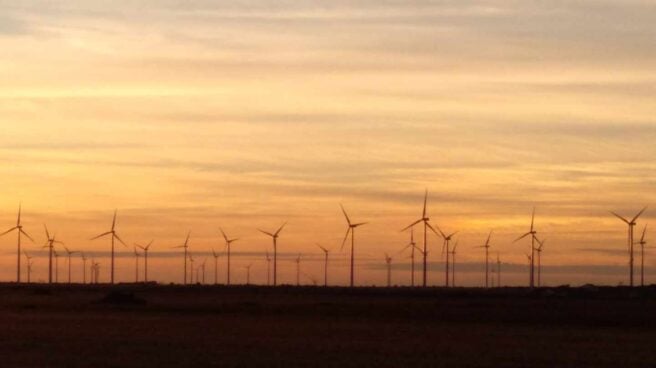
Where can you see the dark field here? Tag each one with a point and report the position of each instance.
(156, 326)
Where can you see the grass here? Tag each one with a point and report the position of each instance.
(149, 325)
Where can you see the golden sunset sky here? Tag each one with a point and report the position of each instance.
(190, 115)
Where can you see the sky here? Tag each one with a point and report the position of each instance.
(195, 115)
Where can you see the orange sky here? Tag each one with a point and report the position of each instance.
(248, 114)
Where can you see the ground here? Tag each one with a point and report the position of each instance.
(201, 326)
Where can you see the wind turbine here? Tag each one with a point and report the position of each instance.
(56, 255)
(532, 233)
(145, 251)
(268, 261)
(228, 244)
(216, 266)
(136, 263)
(191, 268)
(412, 246)
(487, 258)
(351, 230)
(498, 270)
(445, 245)
(96, 272)
(274, 236)
(298, 269)
(388, 261)
(325, 264)
(69, 253)
(631, 224)
(113, 236)
(202, 265)
(530, 263)
(50, 244)
(19, 230)
(248, 274)
(642, 243)
(424, 218)
(29, 267)
(539, 253)
(84, 268)
(185, 246)
(453, 267)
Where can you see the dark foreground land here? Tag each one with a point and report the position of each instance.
(168, 326)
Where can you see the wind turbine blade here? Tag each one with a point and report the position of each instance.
(638, 215)
(101, 235)
(404, 248)
(119, 239)
(224, 234)
(359, 224)
(8, 231)
(114, 220)
(443, 246)
(26, 234)
(411, 225)
(280, 229)
(265, 232)
(533, 219)
(642, 238)
(149, 244)
(187, 240)
(18, 221)
(522, 237)
(487, 242)
(423, 213)
(345, 215)
(47, 233)
(348, 231)
(620, 217)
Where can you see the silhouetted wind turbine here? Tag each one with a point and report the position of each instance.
(19, 230)
(191, 268)
(631, 224)
(498, 270)
(298, 269)
(113, 235)
(424, 218)
(539, 253)
(268, 261)
(69, 253)
(274, 236)
(202, 265)
(532, 233)
(136, 264)
(56, 255)
(325, 264)
(530, 263)
(185, 246)
(453, 266)
(145, 250)
(248, 274)
(216, 266)
(487, 258)
(445, 245)
(412, 246)
(84, 268)
(50, 244)
(351, 230)
(388, 261)
(642, 243)
(228, 244)
(29, 267)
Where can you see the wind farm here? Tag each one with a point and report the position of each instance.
(327, 183)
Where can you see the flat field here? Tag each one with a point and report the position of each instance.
(203, 326)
